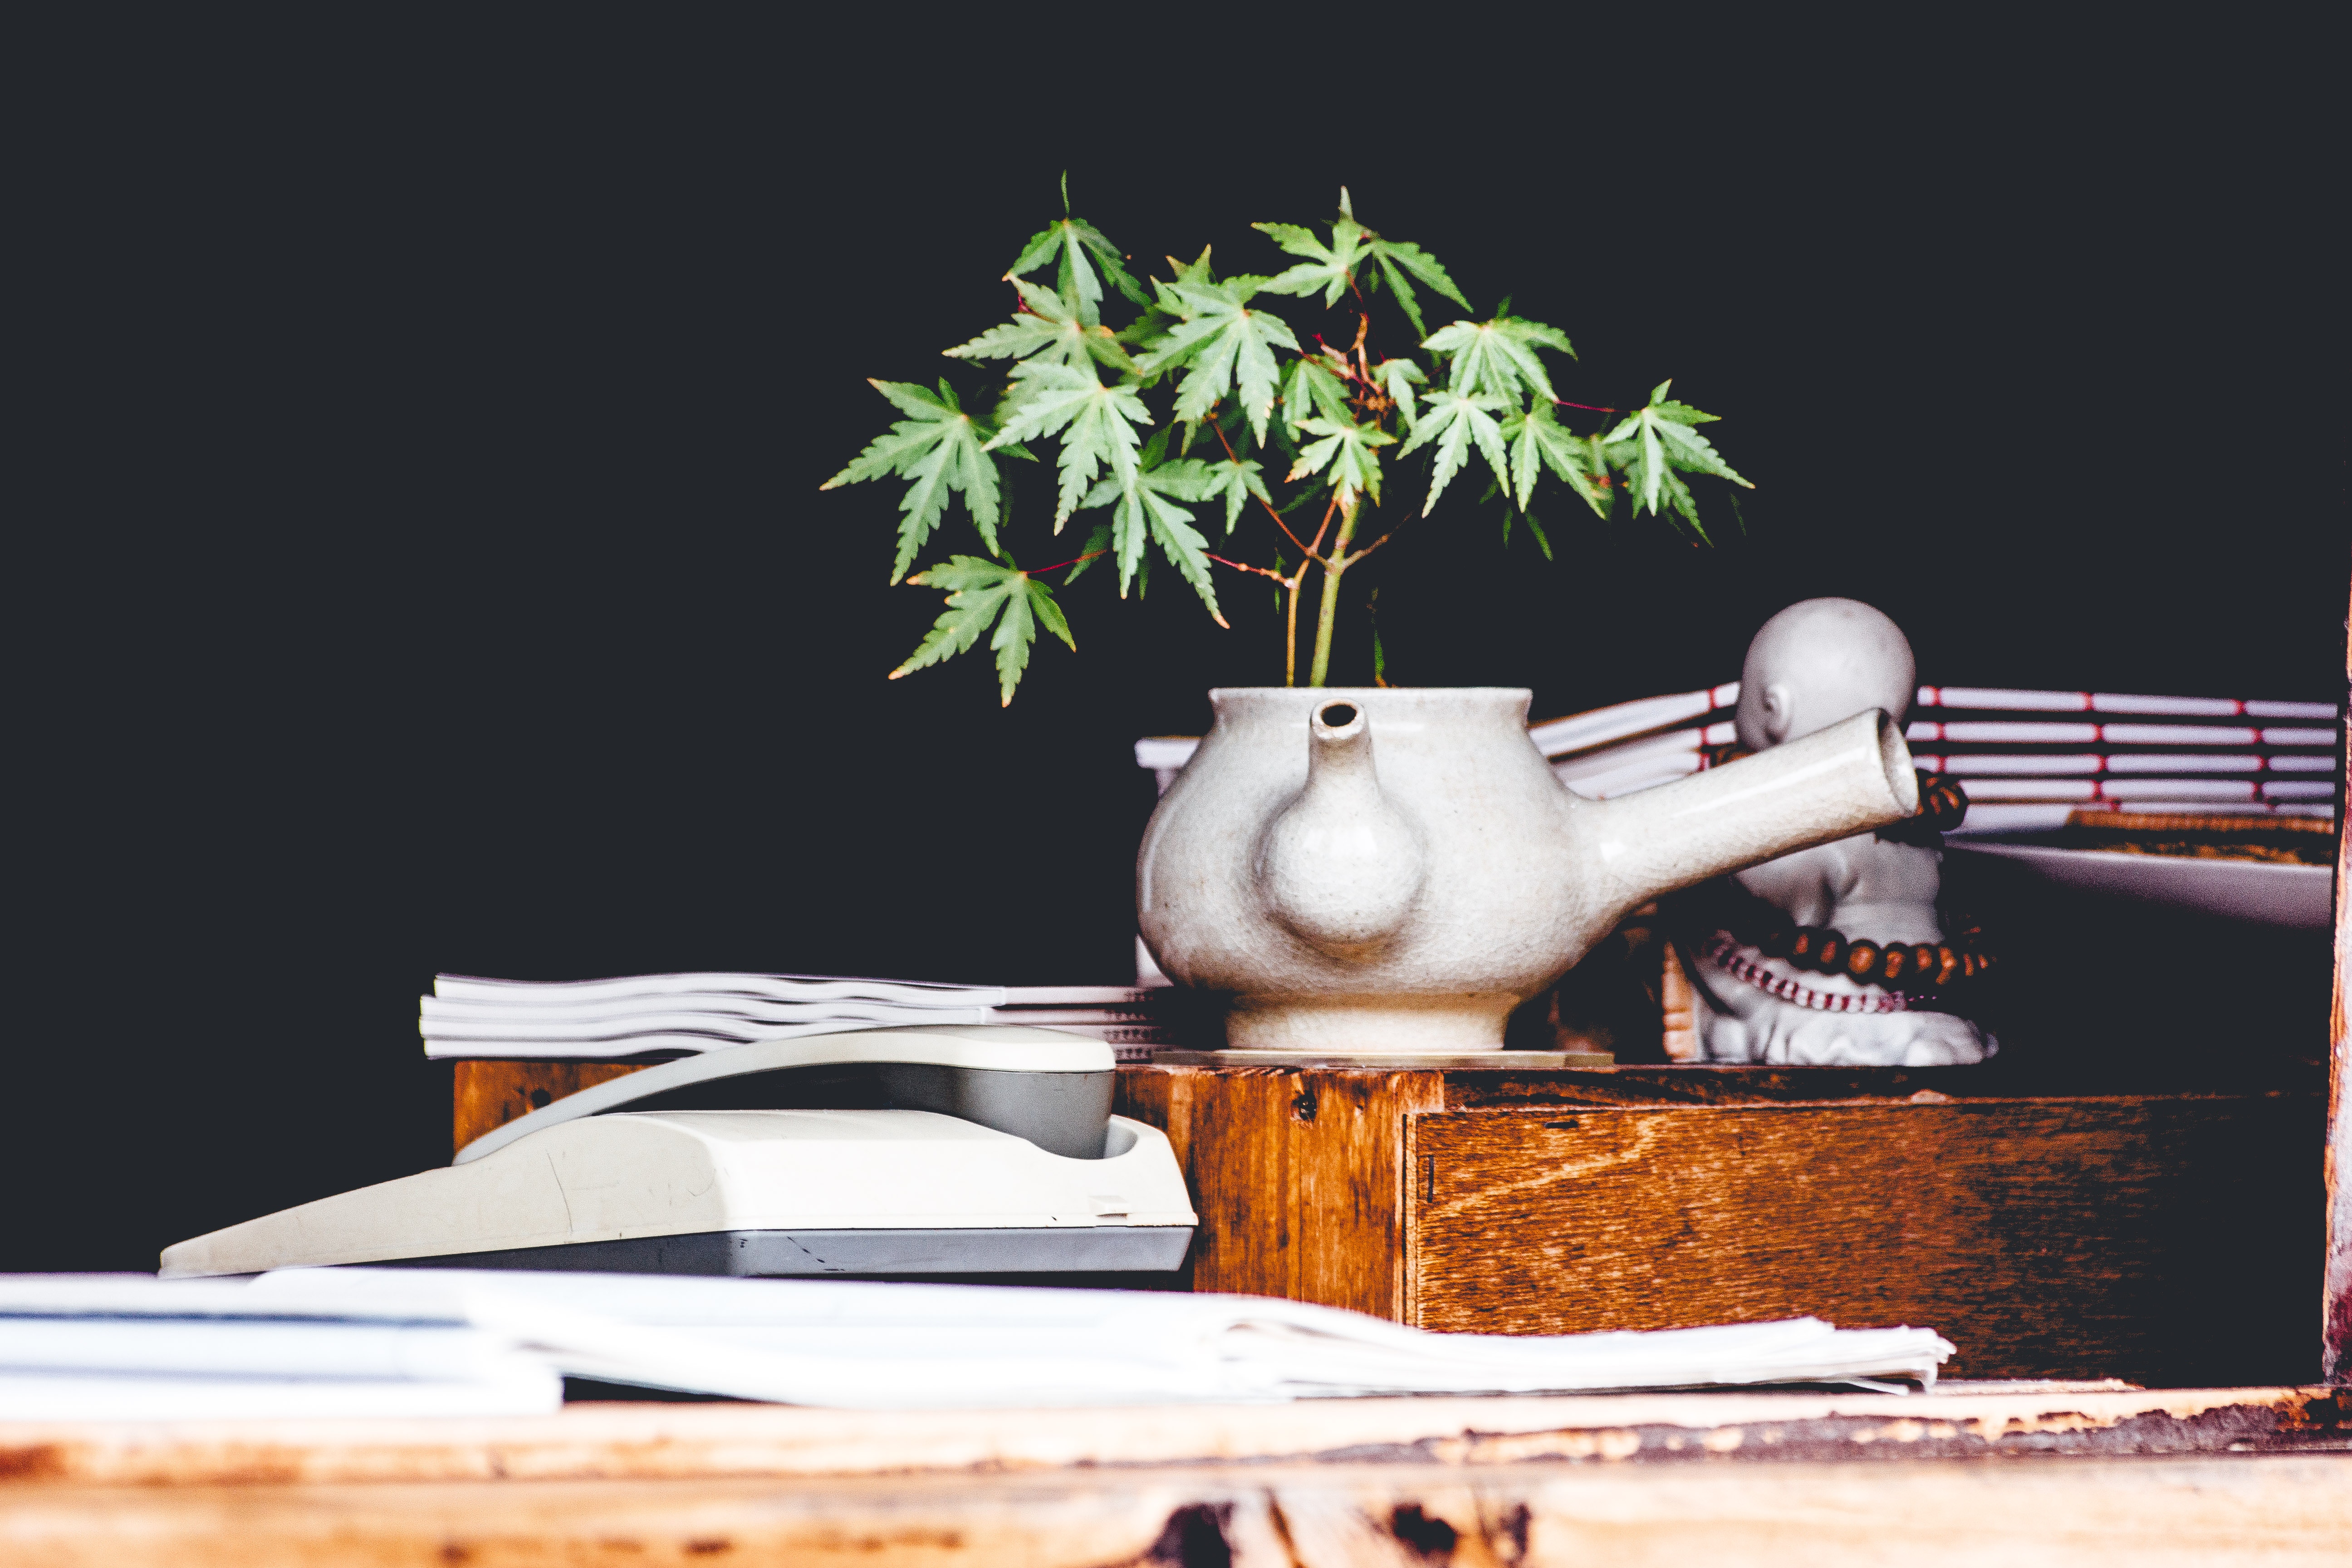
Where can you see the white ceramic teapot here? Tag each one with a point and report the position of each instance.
(1394, 871)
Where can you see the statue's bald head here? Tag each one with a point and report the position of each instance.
(1818, 662)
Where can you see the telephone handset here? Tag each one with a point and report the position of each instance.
(931, 1150)
(1049, 1087)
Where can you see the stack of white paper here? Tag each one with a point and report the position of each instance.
(97, 1347)
(316, 1342)
(668, 1015)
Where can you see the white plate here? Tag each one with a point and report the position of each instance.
(2258, 892)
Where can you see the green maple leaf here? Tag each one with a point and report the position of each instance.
(1331, 268)
(1098, 545)
(1079, 246)
(1398, 377)
(1236, 480)
(941, 449)
(1186, 480)
(1150, 330)
(1499, 356)
(1347, 448)
(1195, 271)
(1097, 423)
(1144, 513)
(1172, 529)
(1456, 422)
(1538, 441)
(1226, 347)
(1398, 258)
(1312, 389)
(1653, 441)
(980, 591)
(1049, 329)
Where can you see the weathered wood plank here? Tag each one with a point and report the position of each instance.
(2151, 1240)
(1296, 1174)
(2200, 1511)
(633, 1442)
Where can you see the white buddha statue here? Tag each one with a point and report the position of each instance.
(1849, 965)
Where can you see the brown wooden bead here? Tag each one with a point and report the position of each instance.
(1895, 965)
(1947, 966)
(1829, 952)
(1924, 962)
(1862, 959)
(1774, 943)
(1803, 944)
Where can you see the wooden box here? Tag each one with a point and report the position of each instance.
(2166, 1238)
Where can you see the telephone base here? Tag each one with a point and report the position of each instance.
(801, 1254)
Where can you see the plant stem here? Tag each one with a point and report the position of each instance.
(1329, 611)
(1290, 642)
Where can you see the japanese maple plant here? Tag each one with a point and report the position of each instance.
(1169, 424)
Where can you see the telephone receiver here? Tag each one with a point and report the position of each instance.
(1047, 1086)
(932, 1150)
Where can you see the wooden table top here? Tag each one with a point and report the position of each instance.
(2015, 1473)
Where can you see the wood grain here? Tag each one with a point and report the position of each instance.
(2204, 1512)
(490, 1094)
(1294, 1173)
(652, 1441)
(2157, 1240)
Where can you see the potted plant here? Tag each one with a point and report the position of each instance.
(1351, 900)
(1206, 407)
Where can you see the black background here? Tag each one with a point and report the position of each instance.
(421, 565)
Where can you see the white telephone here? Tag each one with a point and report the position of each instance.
(942, 1149)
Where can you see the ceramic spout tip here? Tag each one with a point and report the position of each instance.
(1338, 721)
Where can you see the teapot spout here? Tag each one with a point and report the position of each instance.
(1850, 778)
(1341, 866)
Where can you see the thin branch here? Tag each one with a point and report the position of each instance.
(1319, 532)
(1232, 458)
(1346, 372)
(1246, 567)
(1594, 407)
(1041, 571)
(1375, 544)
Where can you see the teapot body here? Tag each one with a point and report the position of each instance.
(1405, 896)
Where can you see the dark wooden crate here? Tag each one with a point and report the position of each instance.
(2160, 1238)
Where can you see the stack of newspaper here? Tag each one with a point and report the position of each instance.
(656, 1015)
(352, 1341)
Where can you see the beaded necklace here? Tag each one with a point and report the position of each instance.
(1734, 959)
(1916, 968)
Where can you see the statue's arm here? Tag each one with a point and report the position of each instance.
(1808, 885)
